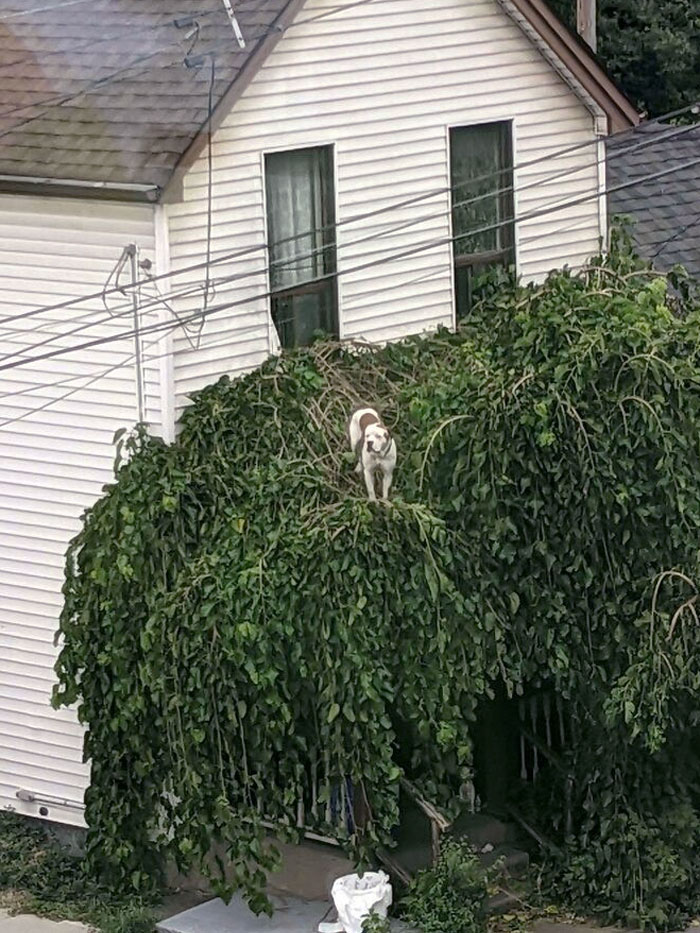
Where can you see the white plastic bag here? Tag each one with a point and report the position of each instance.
(356, 897)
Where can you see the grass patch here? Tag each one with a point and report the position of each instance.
(38, 877)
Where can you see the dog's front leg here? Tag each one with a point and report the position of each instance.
(369, 483)
(387, 477)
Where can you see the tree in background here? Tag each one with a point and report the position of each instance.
(650, 47)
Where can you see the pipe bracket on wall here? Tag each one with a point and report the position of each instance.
(28, 796)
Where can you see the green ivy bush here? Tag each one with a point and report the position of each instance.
(241, 627)
(374, 923)
(451, 896)
(38, 877)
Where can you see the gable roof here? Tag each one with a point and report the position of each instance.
(574, 59)
(98, 91)
(665, 211)
(96, 95)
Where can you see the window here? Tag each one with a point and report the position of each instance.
(482, 204)
(301, 236)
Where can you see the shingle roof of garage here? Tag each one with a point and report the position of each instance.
(97, 90)
(666, 210)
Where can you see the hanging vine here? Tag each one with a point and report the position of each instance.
(245, 634)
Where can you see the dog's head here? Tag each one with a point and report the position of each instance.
(377, 439)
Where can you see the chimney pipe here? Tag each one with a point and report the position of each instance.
(586, 22)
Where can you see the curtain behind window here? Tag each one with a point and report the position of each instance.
(295, 217)
(478, 151)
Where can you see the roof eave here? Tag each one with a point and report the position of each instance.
(579, 65)
(173, 189)
(78, 188)
(580, 62)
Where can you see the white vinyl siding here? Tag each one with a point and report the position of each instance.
(54, 463)
(383, 82)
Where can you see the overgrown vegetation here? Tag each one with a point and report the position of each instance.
(37, 877)
(242, 628)
(651, 47)
(451, 896)
(374, 923)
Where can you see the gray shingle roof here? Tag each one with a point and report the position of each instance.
(666, 211)
(97, 90)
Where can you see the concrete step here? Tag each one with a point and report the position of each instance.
(514, 862)
(504, 902)
(308, 871)
(481, 829)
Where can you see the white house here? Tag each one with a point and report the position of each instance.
(362, 161)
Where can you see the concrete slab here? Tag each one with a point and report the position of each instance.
(28, 923)
(292, 915)
(546, 926)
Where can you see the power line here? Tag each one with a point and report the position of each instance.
(152, 358)
(357, 218)
(238, 277)
(33, 387)
(60, 100)
(109, 79)
(125, 32)
(293, 260)
(190, 61)
(209, 346)
(193, 290)
(676, 236)
(403, 284)
(236, 254)
(42, 9)
(404, 254)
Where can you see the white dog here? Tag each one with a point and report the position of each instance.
(375, 449)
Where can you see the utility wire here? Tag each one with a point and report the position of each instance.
(122, 364)
(236, 254)
(354, 219)
(263, 271)
(676, 236)
(42, 9)
(299, 257)
(125, 32)
(227, 342)
(100, 83)
(247, 274)
(404, 254)
(33, 388)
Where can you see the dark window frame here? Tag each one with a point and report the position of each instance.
(325, 285)
(466, 265)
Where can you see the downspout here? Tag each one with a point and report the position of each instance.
(166, 344)
(587, 28)
(601, 155)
